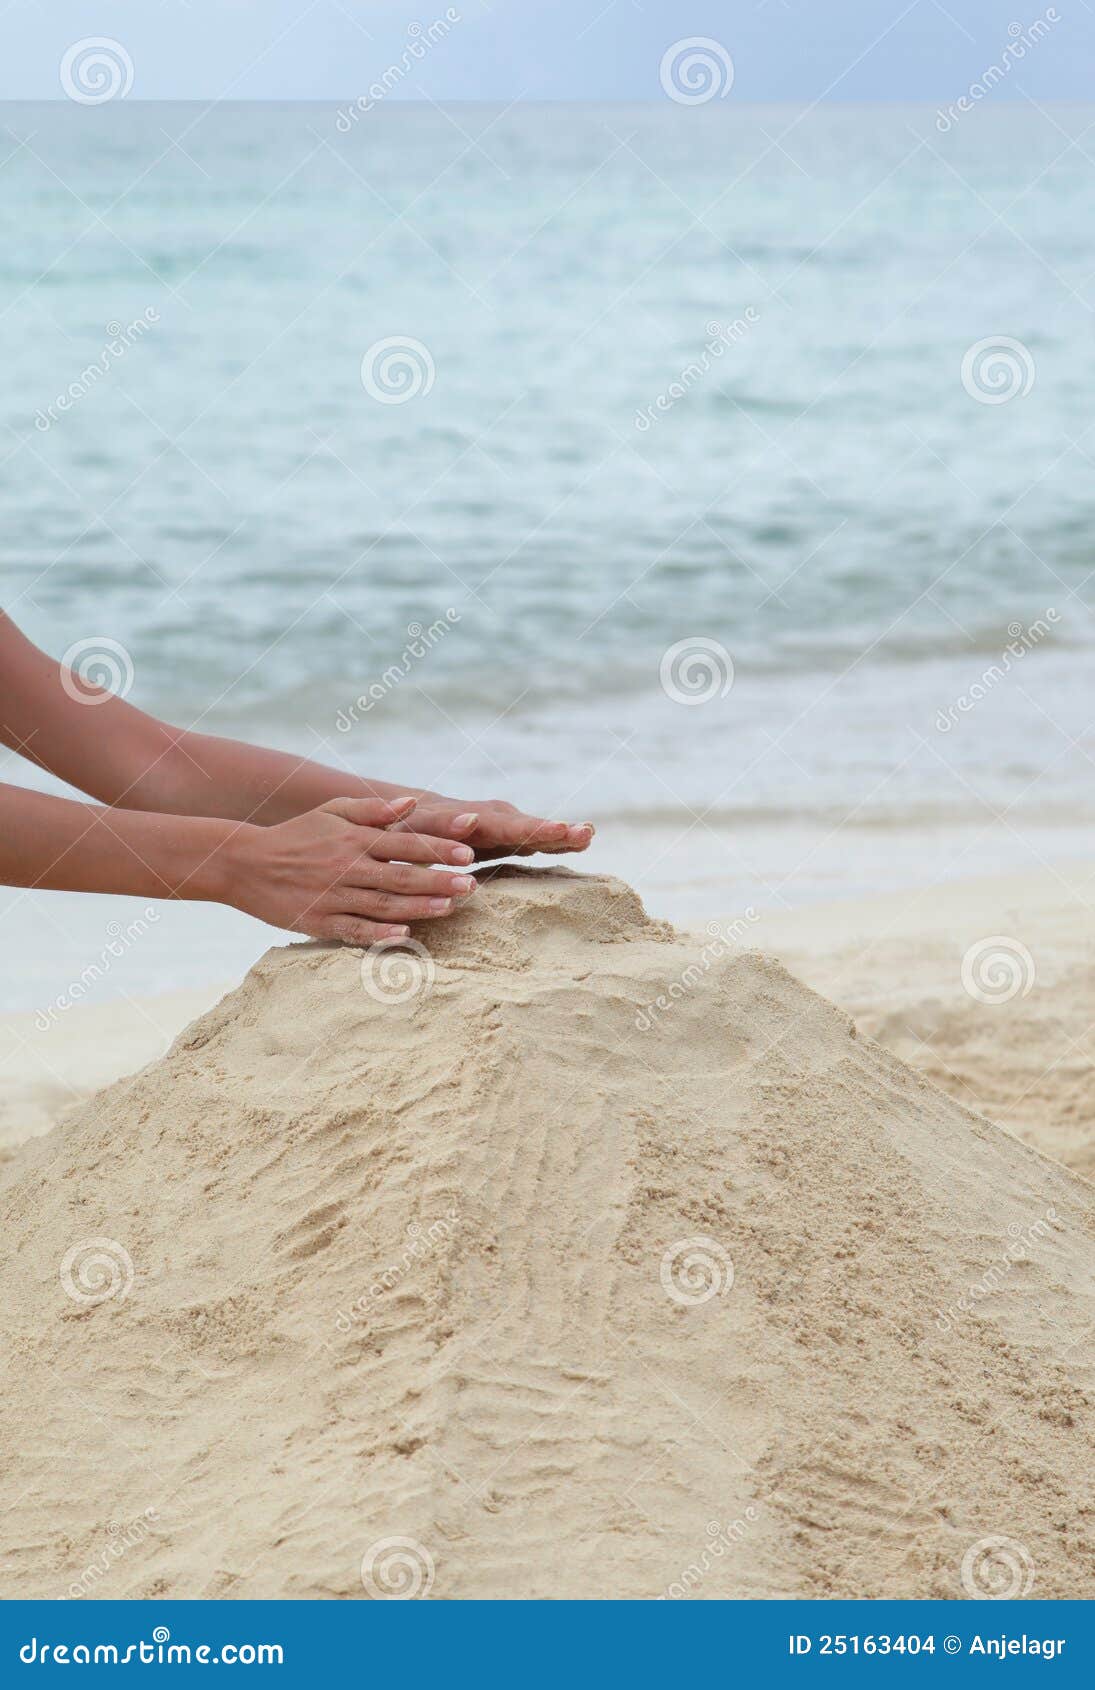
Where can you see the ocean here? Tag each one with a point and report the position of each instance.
(720, 474)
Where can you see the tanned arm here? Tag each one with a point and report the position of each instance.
(125, 758)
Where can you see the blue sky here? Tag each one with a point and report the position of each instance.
(797, 50)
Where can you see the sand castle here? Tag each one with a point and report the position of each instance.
(568, 1257)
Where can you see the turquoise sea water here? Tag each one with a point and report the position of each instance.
(686, 375)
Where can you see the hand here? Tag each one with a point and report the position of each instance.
(344, 872)
(494, 828)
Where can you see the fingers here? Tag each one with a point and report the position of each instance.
(392, 907)
(419, 848)
(371, 812)
(403, 878)
(572, 839)
(496, 828)
(528, 834)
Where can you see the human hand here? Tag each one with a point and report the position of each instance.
(494, 828)
(349, 870)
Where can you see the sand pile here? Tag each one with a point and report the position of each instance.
(480, 1274)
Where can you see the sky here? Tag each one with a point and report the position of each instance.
(500, 50)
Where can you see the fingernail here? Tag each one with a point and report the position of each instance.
(463, 854)
(397, 932)
(462, 883)
(465, 821)
(401, 803)
(438, 906)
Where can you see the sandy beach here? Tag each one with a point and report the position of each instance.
(893, 962)
(547, 1037)
(570, 1256)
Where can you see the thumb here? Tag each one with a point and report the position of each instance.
(370, 812)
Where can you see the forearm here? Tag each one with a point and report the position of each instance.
(206, 775)
(65, 846)
(128, 759)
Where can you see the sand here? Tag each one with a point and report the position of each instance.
(1020, 1047)
(49, 1062)
(481, 1275)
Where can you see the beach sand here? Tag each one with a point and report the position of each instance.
(1015, 1038)
(49, 1065)
(894, 962)
(479, 1274)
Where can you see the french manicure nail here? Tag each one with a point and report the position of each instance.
(438, 906)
